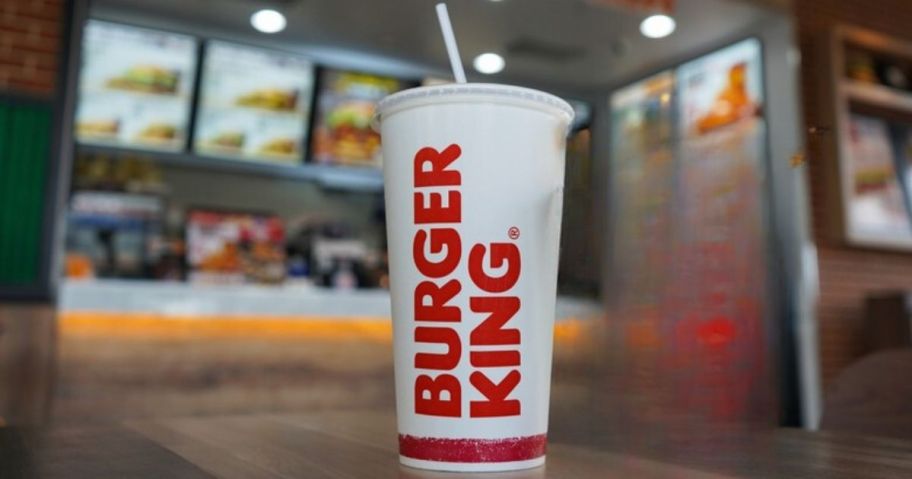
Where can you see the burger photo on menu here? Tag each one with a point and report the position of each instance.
(269, 99)
(157, 132)
(146, 79)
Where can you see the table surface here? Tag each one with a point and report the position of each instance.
(362, 444)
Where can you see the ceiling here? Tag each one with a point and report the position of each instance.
(566, 45)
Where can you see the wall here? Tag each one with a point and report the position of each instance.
(847, 274)
(31, 59)
(32, 112)
(30, 32)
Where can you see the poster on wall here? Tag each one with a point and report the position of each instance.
(346, 101)
(254, 104)
(877, 206)
(135, 87)
(234, 248)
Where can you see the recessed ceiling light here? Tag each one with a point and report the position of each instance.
(657, 26)
(489, 63)
(268, 21)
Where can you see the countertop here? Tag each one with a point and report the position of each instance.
(179, 299)
(356, 444)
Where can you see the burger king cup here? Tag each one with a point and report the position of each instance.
(474, 186)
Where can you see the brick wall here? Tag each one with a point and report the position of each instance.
(30, 33)
(847, 274)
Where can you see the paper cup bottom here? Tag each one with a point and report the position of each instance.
(471, 466)
(475, 455)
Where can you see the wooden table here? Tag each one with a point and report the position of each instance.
(363, 445)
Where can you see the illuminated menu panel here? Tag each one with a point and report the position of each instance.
(254, 104)
(345, 105)
(135, 87)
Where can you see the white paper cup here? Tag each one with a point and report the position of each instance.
(474, 179)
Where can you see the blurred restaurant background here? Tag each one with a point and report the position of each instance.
(192, 218)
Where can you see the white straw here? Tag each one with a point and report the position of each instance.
(450, 39)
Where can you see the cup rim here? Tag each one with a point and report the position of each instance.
(466, 92)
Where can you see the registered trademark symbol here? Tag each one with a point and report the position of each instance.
(513, 232)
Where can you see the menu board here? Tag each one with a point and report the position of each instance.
(254, 104)
(877, 205)
(721, 238)
(642, 161)
(233, 248)
(135, 87)
(346, 101)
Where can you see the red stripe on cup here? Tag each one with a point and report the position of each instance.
(472, 450)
